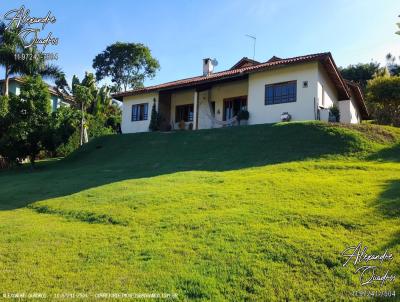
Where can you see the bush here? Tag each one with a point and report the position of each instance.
(243, 115)
(96, 127)
(25, 121)
(3, 106)
(383, 99)
(70, 146)
(335, 113)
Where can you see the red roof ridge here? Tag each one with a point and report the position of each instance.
(227, 73)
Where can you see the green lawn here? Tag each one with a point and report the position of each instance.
(256, 213)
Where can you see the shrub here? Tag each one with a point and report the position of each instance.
(335, 113)
(243, 115)
(383, 98)
(69, 146)
(3, 106)
(155, 118)
(26, 122)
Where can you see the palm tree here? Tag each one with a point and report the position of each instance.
(10, 45)
(83, 97)
(38, 66)
(103, 100)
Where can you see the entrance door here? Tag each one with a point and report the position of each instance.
(232, 106)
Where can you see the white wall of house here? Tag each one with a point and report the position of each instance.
(302, 109)
(57, 102)
(129, 126)
(327, 92)
(355, 113)
(349, 112)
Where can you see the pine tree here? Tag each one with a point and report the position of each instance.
(155, 118)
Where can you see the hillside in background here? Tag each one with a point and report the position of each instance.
(256, 212)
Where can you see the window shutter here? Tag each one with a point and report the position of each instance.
(145, 111)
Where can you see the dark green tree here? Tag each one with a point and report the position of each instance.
(3, 105)
(392, 66)
(155, 118)
(383, 97)
(27, 122)
(360, 73)
(127, 64)
(75, 81)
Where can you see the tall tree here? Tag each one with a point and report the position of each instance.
(75, 81)
(127, 64)
(100, 104)
(10, 45)
(392, 66)
(38, 66)
(360, 73)
(84, 97)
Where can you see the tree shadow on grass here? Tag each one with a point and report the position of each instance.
(388, 205)
(119, 157)
(389, 201)
(387, 154)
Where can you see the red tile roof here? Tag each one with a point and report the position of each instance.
(324, 58)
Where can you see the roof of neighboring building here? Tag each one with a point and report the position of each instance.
(324, 58)
(52, 89)
(274, 59)
(359, 98)
(245, 62)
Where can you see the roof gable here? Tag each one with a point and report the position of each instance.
(245, 62)
(274, 59)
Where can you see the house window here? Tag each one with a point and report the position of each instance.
(280, 93)
(139, 112)
(184, 113)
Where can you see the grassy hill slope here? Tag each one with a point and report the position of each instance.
(249, 213)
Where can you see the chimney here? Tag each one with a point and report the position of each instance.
(208, 66)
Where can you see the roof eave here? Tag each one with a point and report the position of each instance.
(324, 58)
(360, 98)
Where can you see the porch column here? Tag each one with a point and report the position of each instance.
(196, 110)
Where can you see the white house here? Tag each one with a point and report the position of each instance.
(303, 87)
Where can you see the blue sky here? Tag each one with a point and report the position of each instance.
(181, 33)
